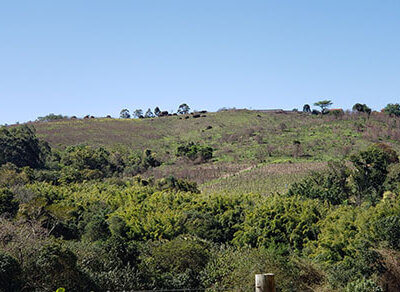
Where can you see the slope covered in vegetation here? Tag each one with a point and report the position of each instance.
(115, 215)
(236, 135)
(241, 140)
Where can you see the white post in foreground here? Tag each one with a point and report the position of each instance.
(265, 283)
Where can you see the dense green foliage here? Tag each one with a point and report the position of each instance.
(324, 104)
(195, 151)
(51, 117)
(10, 272)
(21, 147)
(392, 109)
(8, 204)
(330, 185)
(83, 219)
(362, 108)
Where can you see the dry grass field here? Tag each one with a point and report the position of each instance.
(263, 179)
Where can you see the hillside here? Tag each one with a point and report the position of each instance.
(245, 143)
(269, 199)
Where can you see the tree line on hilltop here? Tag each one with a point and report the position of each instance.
(138, 113)
(392, 109)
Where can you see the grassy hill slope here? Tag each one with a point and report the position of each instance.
(242, 140)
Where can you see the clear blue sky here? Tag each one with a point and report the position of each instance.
(78, 57)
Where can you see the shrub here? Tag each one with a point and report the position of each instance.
(392, 109)
(392, 182)
(172, 183)
(8, 204)
(363, 285)
(111, 264)
(232, 267)
(10, 273)
(217, 219)
(336, 113)
(149, 160)
(330, 186)
(175, 264)
(51, 117)
(362, 108)
(21, 147)
(94, 224)
(55, 266)
(85, 157)
(287, 223)
(371, 168)
(388, 230)
(195, 151)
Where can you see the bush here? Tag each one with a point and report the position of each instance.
(8, 204)
(217, 219)
(175, 264)
(51, 117)
(85, 157)
(10, 273)
(55, 266)
(392, 182)
(171, 183)
(111, 264)
(21, 147)
(231, 267)
(361, 108)
(195, 152)
(330, 186)
(371, 168)
(392, 109)
(363, 285)
(388, 230)
(149, 160)
(11, 175)
(287, 223)
(336, 113)
(94, 224)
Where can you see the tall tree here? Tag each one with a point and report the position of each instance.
(307, 108)
(183, 109)
(138, 114)
(149, 114)
(157, 111)
(124, 114)
(361, 108)
(21, 147)
(392, 109)
(370, 170)
(323, 104)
